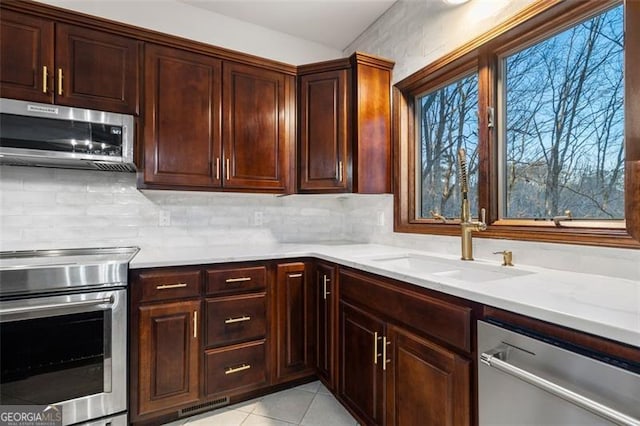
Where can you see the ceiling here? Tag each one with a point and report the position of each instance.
(333, 23)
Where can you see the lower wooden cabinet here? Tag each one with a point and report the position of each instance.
(294, 323)
(325, 316)
(235, 367)
(361, 363)
(389, 375)
(207, 335)
(169, 350)
(425, 383)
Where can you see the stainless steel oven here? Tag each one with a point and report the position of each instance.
(63, 328)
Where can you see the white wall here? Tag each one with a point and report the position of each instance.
(172, 17)
(415, 33)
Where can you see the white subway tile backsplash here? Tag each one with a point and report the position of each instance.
(73, 213)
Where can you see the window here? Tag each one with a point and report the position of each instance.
(563, 123)
(447, 121)
(540, 110)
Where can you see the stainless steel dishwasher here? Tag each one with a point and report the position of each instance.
(528, 379)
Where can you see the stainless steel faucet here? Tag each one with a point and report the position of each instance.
(467, 226)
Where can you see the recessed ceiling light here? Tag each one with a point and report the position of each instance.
(455, 2)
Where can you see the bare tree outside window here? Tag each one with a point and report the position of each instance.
(563, 100)
(447, 121)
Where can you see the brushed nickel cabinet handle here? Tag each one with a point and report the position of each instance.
(227, 169)
(170, 286)
(238, 280)
(60, 82)
(231, 370)
(325, 280)
(385, 361)
(340, 171)
(235, 320)
(295, 275)
(195, 324)
(44, 79)
(217, 167)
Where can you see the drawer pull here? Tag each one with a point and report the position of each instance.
(232, 370)
(170, 286)
(239, 319)
(295, 275)
(238, 280)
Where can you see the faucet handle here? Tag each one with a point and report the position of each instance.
(438, 216)
(482, 225)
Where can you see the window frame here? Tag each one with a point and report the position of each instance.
(538, 21)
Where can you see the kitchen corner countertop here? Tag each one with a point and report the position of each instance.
(596, 304)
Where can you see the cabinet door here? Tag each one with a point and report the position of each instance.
(181, 118)
(169, 350)
(372, 152)
(323, 132)
(361, 382)
(294, 322)
(26, 57)
(426, 384)
(255, 127)
(96, 70)
(325, 322)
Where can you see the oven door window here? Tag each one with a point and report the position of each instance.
(54, 359)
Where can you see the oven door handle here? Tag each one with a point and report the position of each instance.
(493, 359)
(53, 306)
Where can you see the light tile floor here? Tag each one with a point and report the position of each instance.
(309, 404)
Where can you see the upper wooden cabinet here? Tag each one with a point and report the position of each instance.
(345, 126)
(26, 52)
(324, 150)
(182, 144)
(210, 124)
(44, 61)
(96, 70)
(256, 105)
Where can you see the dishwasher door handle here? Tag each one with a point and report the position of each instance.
(493, 359)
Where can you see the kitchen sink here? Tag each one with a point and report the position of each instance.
(421, 265)
(415, 263)
(481, 273)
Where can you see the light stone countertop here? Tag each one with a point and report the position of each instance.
(596, 304)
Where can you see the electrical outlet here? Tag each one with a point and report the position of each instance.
(380, 218)
(164, 218)
(258, 219)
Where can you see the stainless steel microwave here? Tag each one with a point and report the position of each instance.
(35, 134)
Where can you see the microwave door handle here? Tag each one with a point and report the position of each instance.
(492, 359)
(54, 306)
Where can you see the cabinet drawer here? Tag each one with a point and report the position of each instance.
(234, 319)
(169, 285)
(237, 279)
(442, 320)
(235, 367)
